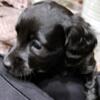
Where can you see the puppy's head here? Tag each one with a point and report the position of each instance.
(40, 39)
(80, 44)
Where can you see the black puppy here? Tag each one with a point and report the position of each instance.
(51, 41)
(40, 39)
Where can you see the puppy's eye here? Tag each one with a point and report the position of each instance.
(36, 44)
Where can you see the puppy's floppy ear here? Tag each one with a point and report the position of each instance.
(80, 41)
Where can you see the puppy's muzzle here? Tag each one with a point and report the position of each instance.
(7, 63)
(17, 65)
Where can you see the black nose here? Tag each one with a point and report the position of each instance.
(7, 63)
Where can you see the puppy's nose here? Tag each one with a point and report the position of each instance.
(7, 63)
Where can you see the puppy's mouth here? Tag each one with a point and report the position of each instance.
(20, 71)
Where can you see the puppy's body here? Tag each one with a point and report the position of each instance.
(52, 41)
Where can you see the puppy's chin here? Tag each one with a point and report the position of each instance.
(20, 73)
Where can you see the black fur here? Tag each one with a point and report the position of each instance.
(51, 42)
(80, 61)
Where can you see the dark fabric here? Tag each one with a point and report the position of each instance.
(64, 89)
(13, 89)
(58, 88)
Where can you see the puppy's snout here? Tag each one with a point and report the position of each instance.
(12, 62)
(7, 63)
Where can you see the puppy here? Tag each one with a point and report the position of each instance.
(40, 39)
(52, 41)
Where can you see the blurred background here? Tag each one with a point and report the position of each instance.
(11, 9)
